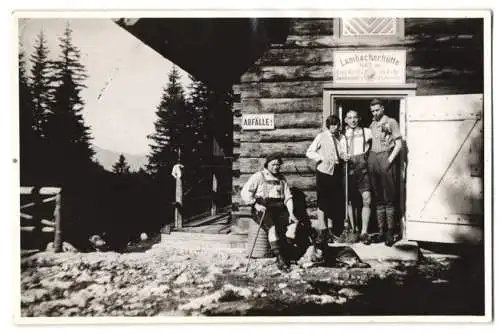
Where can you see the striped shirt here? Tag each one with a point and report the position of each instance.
(384, 134)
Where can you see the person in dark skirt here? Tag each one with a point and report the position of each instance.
(326, 150)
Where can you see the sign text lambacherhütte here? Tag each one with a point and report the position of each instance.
(369, 66)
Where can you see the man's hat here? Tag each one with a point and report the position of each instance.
(271, 157)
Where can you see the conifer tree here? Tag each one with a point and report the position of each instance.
(206, 104)
(27, 135)
(41, 90)
(68, 136)
(171, 128)
(199, 112)
(121, 166)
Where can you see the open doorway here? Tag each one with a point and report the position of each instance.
(393, 108)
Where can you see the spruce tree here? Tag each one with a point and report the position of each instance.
(206, 104)
(27, 135)
(67, 133)
(121, 166)
(41, 90)
(199, 113)
(171, 128)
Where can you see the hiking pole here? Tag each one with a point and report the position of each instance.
(347, 224)
(255, 240)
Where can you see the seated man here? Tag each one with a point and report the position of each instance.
(271, 199)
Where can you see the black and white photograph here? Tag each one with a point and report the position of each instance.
(253, 165)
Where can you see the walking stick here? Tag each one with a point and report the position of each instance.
(255, 240)
(348, 229)
(347, 225)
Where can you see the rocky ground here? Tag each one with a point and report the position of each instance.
(166, 281)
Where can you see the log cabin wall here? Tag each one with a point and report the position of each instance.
(444, 56)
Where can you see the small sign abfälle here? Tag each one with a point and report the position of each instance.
(257, 122)
(369, 66)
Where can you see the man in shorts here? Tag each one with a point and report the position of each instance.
(358, 144)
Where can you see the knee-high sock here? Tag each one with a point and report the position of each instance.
(381, 217)
(390, 216)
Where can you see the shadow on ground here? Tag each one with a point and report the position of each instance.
(434, 287)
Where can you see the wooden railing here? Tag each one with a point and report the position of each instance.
(38, 224)
(211, 196)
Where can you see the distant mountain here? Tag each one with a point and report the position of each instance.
(108, 158)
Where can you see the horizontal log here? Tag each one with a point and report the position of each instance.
(446, 87)
(324, 72)
(289, 73)
(310, 198)
(314, 71)
(304, 166)
(415, 55)
(304, 183)
(276, 56)
(236, 108)
(46, 200)
(283, 89)
(46, 229)
(423, 73)
(290, 120)
(260, 150)
(331, 41)
(277, 135)
(311, 26)
(283, 105)
(236, 152)
(322, 41)
(43, 190)
(47, 222)
(43, 221)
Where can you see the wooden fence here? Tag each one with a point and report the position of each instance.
(38, 224)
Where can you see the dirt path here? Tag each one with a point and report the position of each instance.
(171, 281)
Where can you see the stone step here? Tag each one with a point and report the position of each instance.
(204, 240)
(403, 250)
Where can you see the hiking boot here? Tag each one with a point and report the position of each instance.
(317, 255)
(365, 239)
(331, 236)
(378, 238)
(281, 262)
(352, 237)
(389, 239)
(320, 244)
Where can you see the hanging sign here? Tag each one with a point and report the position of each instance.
(369, 66)
(257, 122)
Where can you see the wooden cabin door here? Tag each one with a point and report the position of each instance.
(444, 187)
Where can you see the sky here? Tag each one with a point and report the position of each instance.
(125, 83)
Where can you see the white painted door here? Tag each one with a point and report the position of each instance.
(444, 189)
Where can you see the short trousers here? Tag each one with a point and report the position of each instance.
(359, 180)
